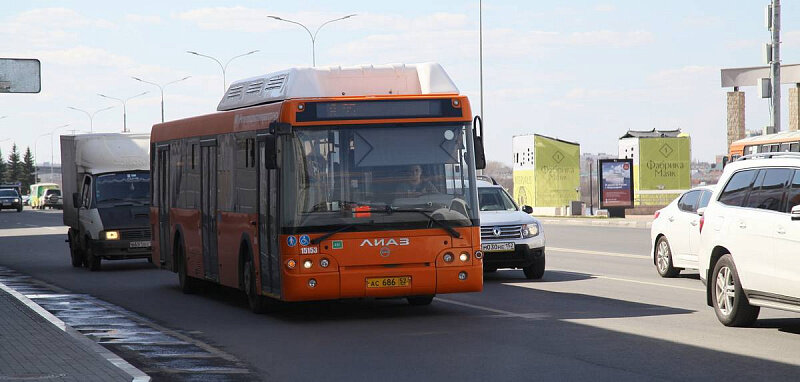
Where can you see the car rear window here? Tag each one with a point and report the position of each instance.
(737, 188)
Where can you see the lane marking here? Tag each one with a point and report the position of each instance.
(597, 253)
(529, 284)
(503, 313)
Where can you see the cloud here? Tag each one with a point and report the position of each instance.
(46, 27)
(143, 19)
(604, 8)
(610, 38)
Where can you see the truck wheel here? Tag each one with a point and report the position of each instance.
(535, 270)
(92, 261)
(188, 284)
(75, 252)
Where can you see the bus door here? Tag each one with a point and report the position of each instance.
(267, 224)
(208, 207)
(164, 185)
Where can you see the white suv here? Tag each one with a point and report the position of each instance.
(750, 238)
(510, 237)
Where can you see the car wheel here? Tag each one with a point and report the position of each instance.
(420, 300)
(730, 303)
(535, 271)
(258, 304)
(188, 284)
(19, 209)
(664, 259)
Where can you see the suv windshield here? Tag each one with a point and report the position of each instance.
(375, 176)
(124, 188)
(8, 193)
(495, 199)
(53, 192)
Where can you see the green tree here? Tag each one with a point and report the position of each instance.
(28, 170)
(2, 168)
(14, 168)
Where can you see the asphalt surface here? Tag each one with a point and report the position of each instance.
(600, 313)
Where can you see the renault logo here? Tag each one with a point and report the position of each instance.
(385, 252)
(496, 231)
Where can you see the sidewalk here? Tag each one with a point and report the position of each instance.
(35, 345)
(630, 221)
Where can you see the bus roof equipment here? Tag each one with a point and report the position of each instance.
(337, 81)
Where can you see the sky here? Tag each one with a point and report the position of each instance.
(583, 71)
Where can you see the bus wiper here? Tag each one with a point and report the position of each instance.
(450, 230)
(329, 234)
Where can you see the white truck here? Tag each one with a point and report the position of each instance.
(106, 194)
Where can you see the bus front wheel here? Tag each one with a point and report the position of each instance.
(258, 304)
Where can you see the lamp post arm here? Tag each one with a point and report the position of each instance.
(314, 38)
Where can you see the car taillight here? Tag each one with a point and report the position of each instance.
(655, 216)
(702, 220)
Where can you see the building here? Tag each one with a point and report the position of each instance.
(661, 164)
(546, 173)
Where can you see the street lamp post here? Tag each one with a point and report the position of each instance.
(52, 148)
(161, 88)
(90, 115)
(223, 67)
(314, 35)
(124, 108)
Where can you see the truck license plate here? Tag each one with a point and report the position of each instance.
(497, 247)
(388, 282)
(140, 244)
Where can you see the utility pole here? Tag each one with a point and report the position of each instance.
(775, 65)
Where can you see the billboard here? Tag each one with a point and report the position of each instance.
(549, 174)
(663, 170)
(616, 182)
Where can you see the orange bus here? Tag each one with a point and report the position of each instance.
(785, 141)
(318, 184)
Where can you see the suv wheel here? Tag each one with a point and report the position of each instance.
(664, 259)
(535, 270)
(730, 302)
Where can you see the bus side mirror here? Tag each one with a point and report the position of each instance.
(480, 156)
(75, 201)
(724, 161)
(271, 152)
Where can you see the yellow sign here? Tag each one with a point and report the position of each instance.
(555, 176)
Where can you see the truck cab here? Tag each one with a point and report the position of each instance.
(106, 197)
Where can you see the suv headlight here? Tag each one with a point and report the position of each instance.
(530, 230)
(112, 235)
(16, 200)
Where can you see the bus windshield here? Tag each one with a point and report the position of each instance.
(378, 177)
(130, 188)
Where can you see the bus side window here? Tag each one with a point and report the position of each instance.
(784, 147)
(794, 147)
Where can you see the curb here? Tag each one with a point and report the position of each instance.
(599, 223)
(135, 374)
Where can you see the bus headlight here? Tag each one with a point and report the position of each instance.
(324, 263)
(530, 230)
(307, 264)
(463, 256)
(291, 264)
(112, 235)
(448, 257)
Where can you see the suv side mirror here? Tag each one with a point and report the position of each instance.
(75, 201)
(527, 209)
(701, 211)
(796, 212)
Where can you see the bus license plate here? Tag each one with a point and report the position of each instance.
(388, 282)
(141, 244)
(497, 247)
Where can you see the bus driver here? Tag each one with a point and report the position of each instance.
(414, 185)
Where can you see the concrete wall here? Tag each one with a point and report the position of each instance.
(794, 108)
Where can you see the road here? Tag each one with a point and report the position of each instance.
(600, 313)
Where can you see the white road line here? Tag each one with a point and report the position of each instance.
(528, 284)
(597, 253)
(503, 313)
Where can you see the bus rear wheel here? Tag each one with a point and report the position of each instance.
(420, 300)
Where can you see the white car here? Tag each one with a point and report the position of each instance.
(675, 235)
(510, 237)
(750, 239)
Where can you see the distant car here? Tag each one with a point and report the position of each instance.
(675, 234)
(10, 199)
(750, 238)
(52, 199)
(510, 237)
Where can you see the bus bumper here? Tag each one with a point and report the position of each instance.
(352, 283)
